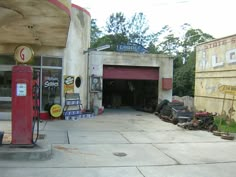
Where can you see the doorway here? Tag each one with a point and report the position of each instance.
(139, 94)
(131, 86)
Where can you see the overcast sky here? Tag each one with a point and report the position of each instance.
(215, 17)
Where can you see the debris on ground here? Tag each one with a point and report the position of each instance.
(149, 105)
(174, 112)
(201, 121)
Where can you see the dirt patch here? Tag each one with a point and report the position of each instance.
(72, 150)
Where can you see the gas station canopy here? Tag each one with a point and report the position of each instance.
(35, 22)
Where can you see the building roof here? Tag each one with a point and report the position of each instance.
(35, 22)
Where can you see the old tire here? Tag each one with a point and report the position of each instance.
(216, 133)
(227, 137)
(161, 105)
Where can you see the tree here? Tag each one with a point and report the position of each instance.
(184, 77)
(116, 24)
(184, 65)
(138, 30)
(152, 48)
(181, 46)
(112, 39)
(191, 38)
(95, 33)
(170, 45)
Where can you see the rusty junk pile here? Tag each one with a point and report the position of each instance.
(177, 113)
(201, 121)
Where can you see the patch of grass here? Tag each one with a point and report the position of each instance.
(226, 126)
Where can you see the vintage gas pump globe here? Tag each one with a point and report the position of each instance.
(23, 54)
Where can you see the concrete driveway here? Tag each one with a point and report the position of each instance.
(126, 143)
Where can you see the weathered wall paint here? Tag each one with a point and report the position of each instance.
(215, 66)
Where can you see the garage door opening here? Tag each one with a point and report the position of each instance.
(129, 86)
(139, 94)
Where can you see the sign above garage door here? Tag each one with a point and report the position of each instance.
(130, 73)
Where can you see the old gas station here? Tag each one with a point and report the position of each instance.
(41, 43)
(44, 55)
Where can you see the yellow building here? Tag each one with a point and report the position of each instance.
(215, 77)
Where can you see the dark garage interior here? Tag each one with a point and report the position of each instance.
(139, 94)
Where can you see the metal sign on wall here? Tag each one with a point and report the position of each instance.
(95, 84)
(131, 47)
(69, 84)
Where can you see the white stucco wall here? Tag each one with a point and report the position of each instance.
(75, 61)
(99, 58)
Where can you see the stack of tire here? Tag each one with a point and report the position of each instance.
(164, 111)
(167, 111)
(180, 112)
(160, 106)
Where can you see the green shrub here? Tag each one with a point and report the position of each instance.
(226, 125)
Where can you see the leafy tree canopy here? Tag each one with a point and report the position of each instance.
(133, 30)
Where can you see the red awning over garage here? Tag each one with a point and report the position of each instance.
(130, 73)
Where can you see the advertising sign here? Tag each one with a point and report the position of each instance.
(51, 82)
(131, 47)
(69, 84)
(56, 110)
(228, 89)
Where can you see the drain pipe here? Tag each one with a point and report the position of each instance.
(88, 72)
(88, 85)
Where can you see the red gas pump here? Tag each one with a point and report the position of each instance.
(22, 105)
